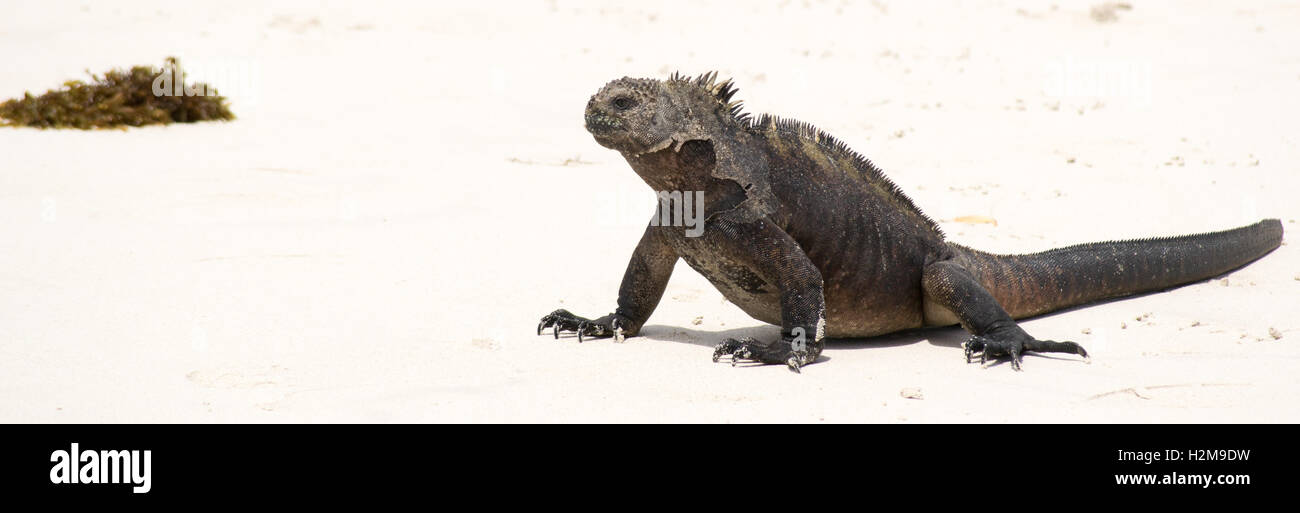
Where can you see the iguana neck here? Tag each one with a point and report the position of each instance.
(669, 169)
(688, 170)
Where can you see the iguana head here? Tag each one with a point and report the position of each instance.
(641, 115)
(631, 115)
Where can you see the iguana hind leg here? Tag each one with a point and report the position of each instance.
(993, 332)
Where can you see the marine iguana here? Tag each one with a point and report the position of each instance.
(805, 233)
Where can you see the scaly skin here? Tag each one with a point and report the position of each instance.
(802, 232)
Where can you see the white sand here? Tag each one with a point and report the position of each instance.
(409, 188)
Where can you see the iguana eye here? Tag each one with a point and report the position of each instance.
(624, 103)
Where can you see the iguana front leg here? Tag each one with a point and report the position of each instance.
(643, 285)
(773, 254)
(993, 332)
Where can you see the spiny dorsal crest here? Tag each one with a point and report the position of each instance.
(721, 91)
(807, 131)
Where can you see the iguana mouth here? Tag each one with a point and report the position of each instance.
(601, 124)
(662, 145)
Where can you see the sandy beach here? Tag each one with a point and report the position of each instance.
(409, 188)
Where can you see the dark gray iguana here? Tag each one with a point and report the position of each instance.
(803, 232)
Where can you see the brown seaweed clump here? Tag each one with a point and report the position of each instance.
(142, 96)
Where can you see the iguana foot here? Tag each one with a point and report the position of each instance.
(776, 352)
(1014, 345)
(562, 320)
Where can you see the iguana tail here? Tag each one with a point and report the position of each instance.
(1028, 285)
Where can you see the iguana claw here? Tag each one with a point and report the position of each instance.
(1014, 345)
(590, 328)
(559, 320)
(563, 320)
(776, 352)
(988, 347)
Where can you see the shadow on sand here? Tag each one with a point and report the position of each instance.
(946, 336)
